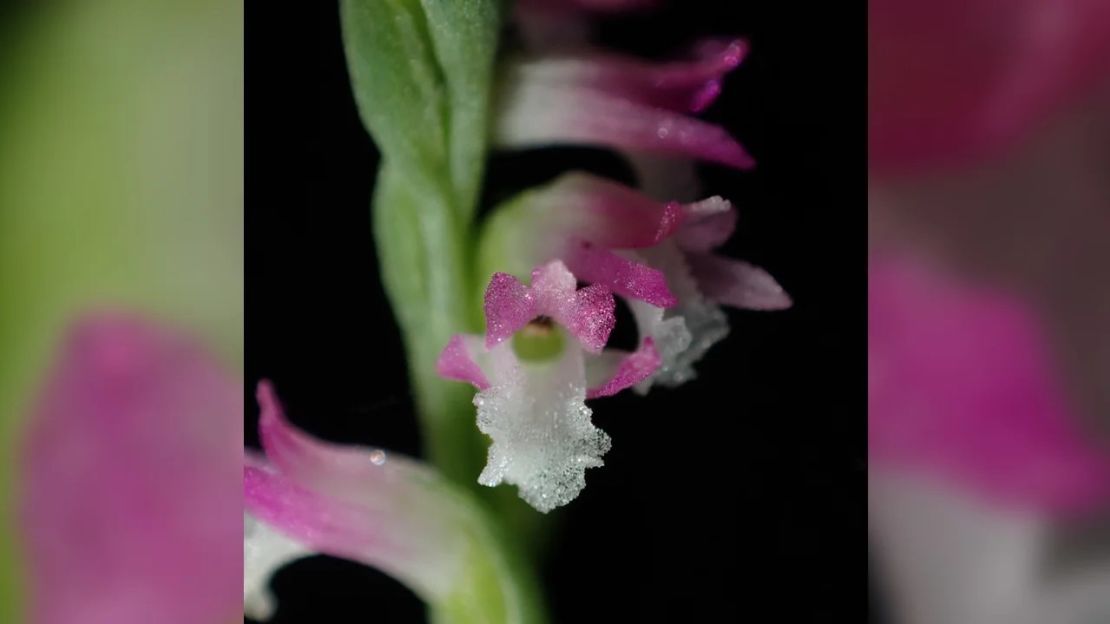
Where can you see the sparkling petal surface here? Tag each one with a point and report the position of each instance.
(542, 437)
(126, 466)
(737, 283)
(537, 114)
(623, 276)
(508, 305)
(589, 313)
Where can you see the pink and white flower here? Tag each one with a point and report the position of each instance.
(657, 256)
(542, 356)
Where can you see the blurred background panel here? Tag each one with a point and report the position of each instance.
(989, 328)
(121, 168)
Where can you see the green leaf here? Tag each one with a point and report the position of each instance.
(464, 36)
(397, 84)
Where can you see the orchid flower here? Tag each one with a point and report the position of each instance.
(533, 377)
(657, 256)
(129, 493)
(381, 509)
(621, 102)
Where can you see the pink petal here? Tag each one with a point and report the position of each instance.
(628, 371)
(605, 213)
(509, 305)
(535, 114)
(356, 503)
(737, 283)
(962, 388)
(689, 86)
(620, 275)
(706, 224)
(457, 362)
(130, 509)
(589, 314)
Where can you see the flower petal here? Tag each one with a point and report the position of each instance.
(130, 467)
(615, 370)
(536, 416)
(737, 283)
(706, 224)
(689, 86)
(535, 114)
(603, 212)
(356, 503)
(683, 333)
(508, 305)
(589, 314)
(621, 275)
(459, 362)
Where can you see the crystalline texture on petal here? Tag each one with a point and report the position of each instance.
(625, 277)
(543, 439)
(589, 313)
(509, 305)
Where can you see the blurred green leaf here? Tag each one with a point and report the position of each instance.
(120, 187)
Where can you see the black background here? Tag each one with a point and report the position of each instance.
(737, 497)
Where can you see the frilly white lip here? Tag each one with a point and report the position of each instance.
(534, 411)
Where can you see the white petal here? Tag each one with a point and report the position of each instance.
(684, 333)
(536, 415)
(264, 552)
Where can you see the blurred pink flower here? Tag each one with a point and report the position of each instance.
(953, 79)
(130, 501)
(962, 388)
